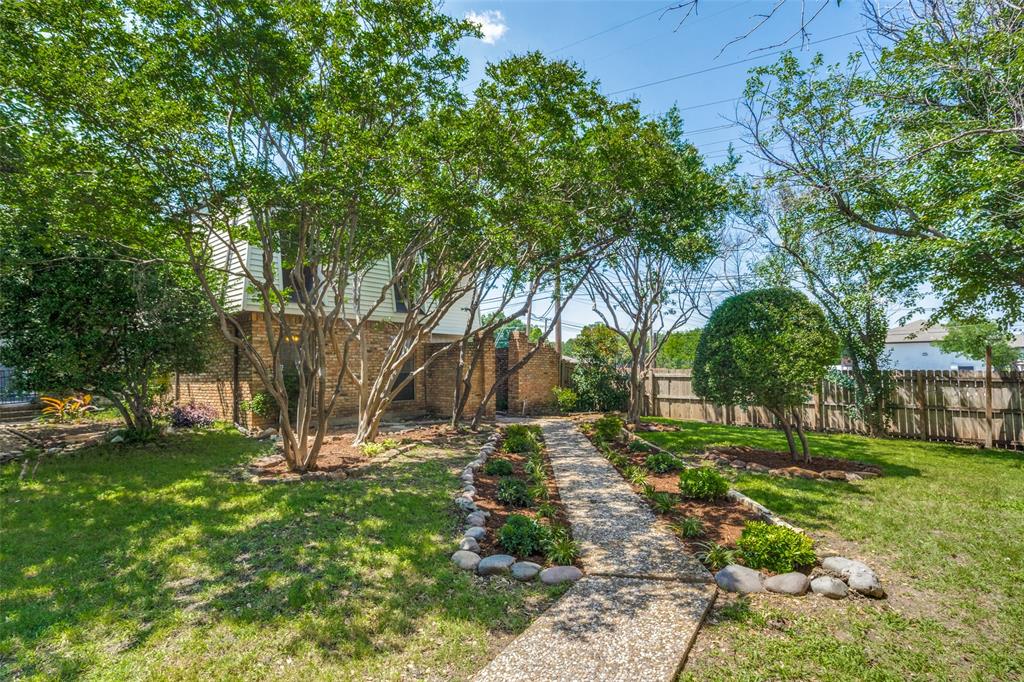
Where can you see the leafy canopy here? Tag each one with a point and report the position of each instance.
(969, 338)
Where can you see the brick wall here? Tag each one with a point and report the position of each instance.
(441, 377)
(530, 387)
(213, 387)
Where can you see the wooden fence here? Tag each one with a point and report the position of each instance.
(925, 404)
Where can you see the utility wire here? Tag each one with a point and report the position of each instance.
(613, 28)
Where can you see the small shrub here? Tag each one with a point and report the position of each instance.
(775, 548)
(639, 445)
(690, 527)
(662, 463)
(522, 536)
(702, 483)
(538, 492)
(260, 404)
(647, 490)
(68, 409)
(635, 475)
(560, 548)
(618, 460)
(534, 468)
(192, 415)
(608, 428)
(521, 438)
(715, 556)
(547, 510)
(663, 503)
(513, 492)
(565, 398)
(498, 467)
(372, 449)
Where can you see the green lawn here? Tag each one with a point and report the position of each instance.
(944, 527)
(127, 563)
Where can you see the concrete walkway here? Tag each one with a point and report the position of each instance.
(636, 613)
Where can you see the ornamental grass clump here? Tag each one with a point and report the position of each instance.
(774, 548)
(559, 547)
(702, 483)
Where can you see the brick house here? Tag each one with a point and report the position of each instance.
(230, 380)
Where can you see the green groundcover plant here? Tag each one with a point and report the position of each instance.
(775, 548)
(702, 483)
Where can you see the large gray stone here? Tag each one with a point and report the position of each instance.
(466, 560)
(857, 574)
(469, 544)
(476, 519)
(830, 587)
(736, 578)
(788, 583)
(476, 532)
(496, 564)
(525, 570)
(465, 504)
(560, 574)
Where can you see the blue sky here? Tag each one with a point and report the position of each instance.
(628, 44)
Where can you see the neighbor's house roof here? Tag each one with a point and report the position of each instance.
(917, 332)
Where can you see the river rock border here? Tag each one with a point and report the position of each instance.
(467, 556)
(834, 576)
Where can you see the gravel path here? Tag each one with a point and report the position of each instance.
(636, 613)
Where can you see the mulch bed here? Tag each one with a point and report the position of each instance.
(780, 460)
(487, 489)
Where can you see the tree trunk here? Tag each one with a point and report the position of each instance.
(636, 391)
(787, 428)
(803, 437)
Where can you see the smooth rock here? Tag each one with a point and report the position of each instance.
(834, 475)
(117, 439)
(799, 472)
(560, 574)
(858, 575)
(788, 583)
(736, 578)
(525, 570)
(469, 544)
(465, 505)
(739, 464)
(759, 468)
(267, 433)
(476, 519)
(851, 477)
(830, 587)
(496, 564)
(469, 488)
(476, 532)
(466, 560)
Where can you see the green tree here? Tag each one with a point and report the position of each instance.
(80, 315)
(599, 376)
(766, 347)
(917, 142)
(971, 337)
(679, 349)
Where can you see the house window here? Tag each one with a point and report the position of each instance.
(400, 306)
(287, 282)
(408, 392)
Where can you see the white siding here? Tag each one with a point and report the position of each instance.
(232, 287)
(922, 355)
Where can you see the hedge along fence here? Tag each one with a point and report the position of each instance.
(925, 404)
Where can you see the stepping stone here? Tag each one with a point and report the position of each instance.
(793, 583)
(736, 578)
(610, 629)
(525, 570)
(496, 564)
(560, 574)
(466, 560)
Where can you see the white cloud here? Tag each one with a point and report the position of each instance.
(492, 24)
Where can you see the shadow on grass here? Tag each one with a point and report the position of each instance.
(111, 546)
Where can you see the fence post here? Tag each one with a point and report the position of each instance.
(990, 430)
(819, 406)
(920, 383)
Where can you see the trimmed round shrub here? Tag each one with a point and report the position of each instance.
(522, 535)
(774, 548)
(565, 398)
(498, 467)
(702, 483)
(662, 463)
(608, 428)
(514, 492)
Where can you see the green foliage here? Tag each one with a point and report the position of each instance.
(260, 404)
(91, 320)
(547, 510)
(566, 399)
(379, 447)
(679, 350)
(969, 338)
(635, 475)
(662, 463)
(663, 503)
(522, 536)
(514, 492)
(498, 467)
(608, 428)
(503, 332)
(716, 556)
(702, 483)
(538, 491)
(521, 438)
(690, 527)
(775, 548)
(638, 445)
(598, 376)
(559, 547)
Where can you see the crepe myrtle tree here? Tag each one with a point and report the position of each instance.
(246, 131)
(656, 278)
(766, 347)
(78, 314)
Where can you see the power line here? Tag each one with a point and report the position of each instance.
(613, 28)
(730, 64)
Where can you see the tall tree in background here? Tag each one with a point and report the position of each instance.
(679, 349)
(971, 338)
(655, 279)
(918, 142)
